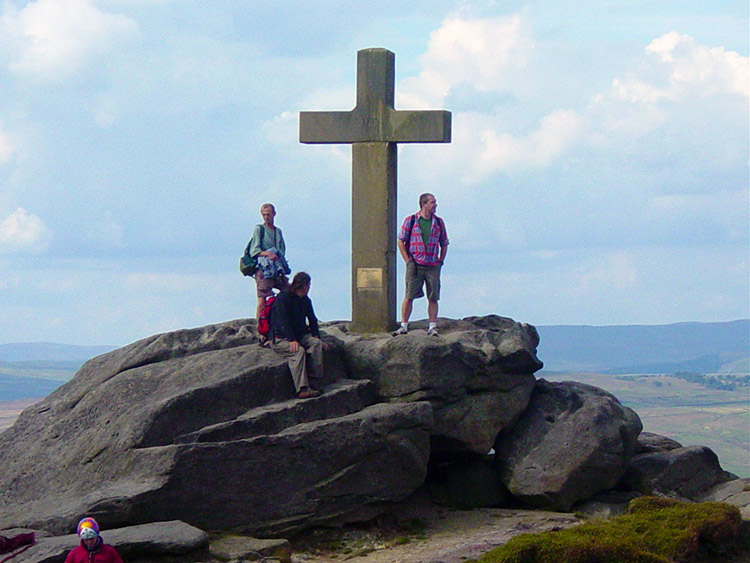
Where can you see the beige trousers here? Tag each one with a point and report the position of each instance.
(299, 365)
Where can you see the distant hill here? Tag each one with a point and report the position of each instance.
(35, 369)
(690, 346)
(49, 352)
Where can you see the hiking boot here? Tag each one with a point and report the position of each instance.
(309, 393)
(433, 331)
(400, 330)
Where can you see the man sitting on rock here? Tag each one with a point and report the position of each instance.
(294, 333)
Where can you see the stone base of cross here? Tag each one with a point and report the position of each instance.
(374, 128)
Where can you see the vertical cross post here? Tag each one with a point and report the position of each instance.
(374, 128)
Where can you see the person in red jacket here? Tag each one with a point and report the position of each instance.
(92, 548)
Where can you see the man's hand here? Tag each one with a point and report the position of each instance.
(293, 346)
(402, 250)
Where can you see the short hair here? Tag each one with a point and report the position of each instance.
(423, 199)
(268, 206)
(300, 280)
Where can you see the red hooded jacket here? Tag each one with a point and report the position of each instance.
(104, 554)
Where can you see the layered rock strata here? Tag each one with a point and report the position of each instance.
(202, 425)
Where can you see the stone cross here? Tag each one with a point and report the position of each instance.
(373, 128)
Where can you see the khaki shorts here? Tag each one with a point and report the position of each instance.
(266, 286)
(418, 276)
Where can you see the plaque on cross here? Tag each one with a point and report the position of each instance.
(373, 128)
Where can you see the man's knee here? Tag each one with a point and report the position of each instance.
(314, 344)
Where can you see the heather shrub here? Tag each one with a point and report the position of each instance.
(653, 530)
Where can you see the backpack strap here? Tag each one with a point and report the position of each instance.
(412, 219)
(247, 248)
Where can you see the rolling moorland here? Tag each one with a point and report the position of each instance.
(687, 381)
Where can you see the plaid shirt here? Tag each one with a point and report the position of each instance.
(415, 244)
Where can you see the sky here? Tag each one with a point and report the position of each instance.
(598, 171)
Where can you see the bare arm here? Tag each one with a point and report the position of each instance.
(443, 253)
(402, 250)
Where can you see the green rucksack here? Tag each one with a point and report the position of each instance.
(249, 264)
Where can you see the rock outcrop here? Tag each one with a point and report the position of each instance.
(649, 443)
(574, 440)
(203, 425)
(135, 437)
(686, 473)
(478, 376)
(735, 492)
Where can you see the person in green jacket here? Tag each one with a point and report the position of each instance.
(265, 239)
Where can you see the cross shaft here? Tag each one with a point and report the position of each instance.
(373, 128)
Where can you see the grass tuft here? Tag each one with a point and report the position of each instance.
(654, 530)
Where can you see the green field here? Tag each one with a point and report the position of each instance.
(685, 411)
(56, 371)
(29, 380)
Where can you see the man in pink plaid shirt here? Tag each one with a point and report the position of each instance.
(423, 244)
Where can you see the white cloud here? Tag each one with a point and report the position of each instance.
(557, 131)
(481, 147)
(475, 56)
(23, 231)
(483, 52)
(675, 72)
(54, 38)
(690, 65)
(487, 56)
(670, 85)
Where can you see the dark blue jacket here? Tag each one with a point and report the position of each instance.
(292, 317)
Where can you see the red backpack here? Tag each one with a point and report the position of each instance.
(12, 544)
(264, 322)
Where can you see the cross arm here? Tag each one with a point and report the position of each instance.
(433, 126)
(388, 126)
(328, 127)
